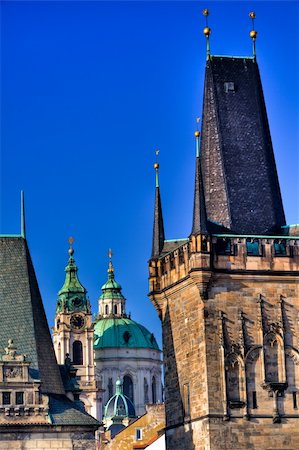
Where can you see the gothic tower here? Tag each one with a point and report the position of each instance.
(227, 295)
(73, 332)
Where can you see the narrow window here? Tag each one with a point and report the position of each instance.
(6, 398)
(186, 399)
(138, 434)
(295, 406)
(115, 309)
(19, 398)
(77, 353)
(154, 390)
(128, 387)
(106, 309)
(254, 401)
(110, 387)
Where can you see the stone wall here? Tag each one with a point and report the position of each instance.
(47, 441)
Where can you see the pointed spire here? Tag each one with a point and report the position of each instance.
(199, 208)
(207, 31)
(158, 229)
(23, 223)
(253, 33)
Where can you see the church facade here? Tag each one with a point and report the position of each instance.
(228, 295)
(110, 348)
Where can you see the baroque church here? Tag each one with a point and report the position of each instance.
(227, 295)
(111, 348)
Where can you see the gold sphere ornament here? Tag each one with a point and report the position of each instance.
(71, 251)
(252, 15)
(205, 12)
(156, 166)
(207, 31)
(197, 133)
(253, 34)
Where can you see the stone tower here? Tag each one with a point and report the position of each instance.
(228, 295)
(73, 332)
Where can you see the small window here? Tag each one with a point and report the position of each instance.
(6, 398)
(19, 398)
(254, 400)
(78, 353)
(126, 336)
(252, 248)
(106, 309)
(229, 86)
(280, 248)
(295, 405)
(138, 434)
(115, 309)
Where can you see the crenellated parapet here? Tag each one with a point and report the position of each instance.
(223, 253)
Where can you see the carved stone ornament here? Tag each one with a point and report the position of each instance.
(12, 372)
(11, 353)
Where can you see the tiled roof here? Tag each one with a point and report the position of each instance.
(23, 317)
(63, 411)
(239, 173)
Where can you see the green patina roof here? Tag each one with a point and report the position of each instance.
(119, 406)
(72, 295)
(111, 289)
(122, 332)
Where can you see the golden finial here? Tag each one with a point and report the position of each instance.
(156, 167)
(253, 32)
(71, 241)
(197, 134)
(207, 31)
(110, 268)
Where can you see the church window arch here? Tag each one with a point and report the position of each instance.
(77, 353)
(128, 387)
(115, 309)
(106, 309)
(154, 390)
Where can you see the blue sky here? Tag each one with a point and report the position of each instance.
(89, 90)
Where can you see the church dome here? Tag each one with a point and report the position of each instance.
(122, 333)
(119, 406)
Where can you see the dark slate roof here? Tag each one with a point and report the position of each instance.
(239, 173)
(23, 317)
(199, 224)
(158, 229)
(63, 411)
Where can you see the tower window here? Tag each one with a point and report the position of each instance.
(110, 387)
(295, 405)
(6, 398)
(19, 398)
(115, 309)
(254, 400)
(229, 86)
(128, 387)
(186, 399)
(77, 353)
(154, 390)
(106, 309)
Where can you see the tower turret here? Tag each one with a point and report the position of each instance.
(112, 303)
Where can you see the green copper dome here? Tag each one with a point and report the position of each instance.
(72, 295)
(111, 289)
(119, 406)
(122, 333)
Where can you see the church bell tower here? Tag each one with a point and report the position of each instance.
(73, 331)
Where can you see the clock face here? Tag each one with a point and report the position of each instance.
(77, 321)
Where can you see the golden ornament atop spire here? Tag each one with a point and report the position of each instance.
(207, 31)
(253, 32)
(197, 132)
(71, 241)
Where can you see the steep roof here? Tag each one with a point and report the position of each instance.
(239, 173)
(23, 317)
(158, 228)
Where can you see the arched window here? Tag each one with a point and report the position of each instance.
(115, 309)
(128, 387)
(106, 309)
(59, 353)
(110, 388)
(77, 353)
(271, 361)
(154, 390)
